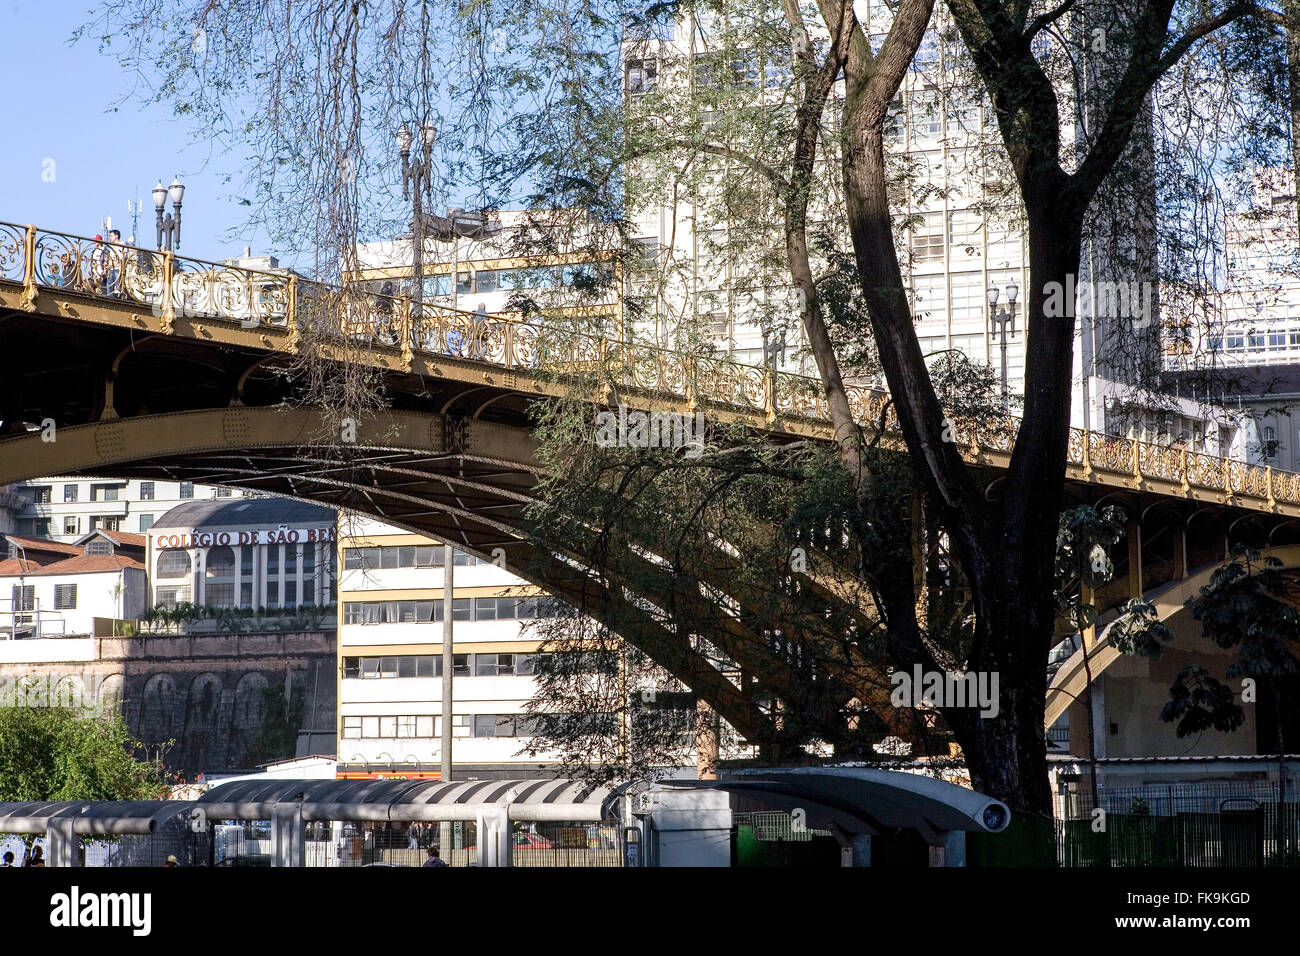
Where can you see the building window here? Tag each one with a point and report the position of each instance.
(65, 597)
(219, 594)
(99, 546)
(41, 527)
(69, 525)
(494, 725)
(186, 490)
(107, 522)
(41, 494)
(222, 493)
(69, 492)
(352, 727)
(173, 563)
(928, 238)
(221, 562)
(170, 597)
(647, 249)
(641, 76)
(146, 522)
(24, 598)
(103, 492)
(146, 491)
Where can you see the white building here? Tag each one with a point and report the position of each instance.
(963, 234)
(243, 553)
(1261, 299)
(65, 508)
(496, 266)
(52, 590)
(390, 658)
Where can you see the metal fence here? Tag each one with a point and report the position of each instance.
(1169, 799)
(1208, 825)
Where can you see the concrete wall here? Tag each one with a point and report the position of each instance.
(206, 693)
(1131, 692)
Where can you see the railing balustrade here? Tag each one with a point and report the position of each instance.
(171, 285)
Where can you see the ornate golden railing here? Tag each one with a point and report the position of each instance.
(171, 285)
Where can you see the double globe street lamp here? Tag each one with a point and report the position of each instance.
(169, 226)
(1000, 319)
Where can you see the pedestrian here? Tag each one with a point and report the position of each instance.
(413, 837)
(8, 858)
(37, 858)
(385, 331)
(455, 342)
(115, 258)
(98, 268)
(435, 858)
(480, 331)
(170, 861)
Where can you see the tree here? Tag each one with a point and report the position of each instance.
(938, 577)
(51, 753)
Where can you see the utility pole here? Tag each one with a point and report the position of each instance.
(448, 583)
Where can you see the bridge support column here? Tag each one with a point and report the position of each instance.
(1134, 558)
(1180, 554)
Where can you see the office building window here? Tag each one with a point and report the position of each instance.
(186, 490)
(146, 491)
(641, 76)
(928, 238)
(70, 492)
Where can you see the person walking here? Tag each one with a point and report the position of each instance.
(8, 859)
(37, 858)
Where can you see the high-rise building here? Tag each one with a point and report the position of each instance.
(959, 235)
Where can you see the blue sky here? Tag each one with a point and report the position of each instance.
(98, 151)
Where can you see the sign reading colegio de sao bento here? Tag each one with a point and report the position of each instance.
(214, 539)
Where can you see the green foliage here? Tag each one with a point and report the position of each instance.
(1138, 630)
(50, 753)
(278, 738)
(1082, 559)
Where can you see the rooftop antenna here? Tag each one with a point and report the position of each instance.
(133, 207)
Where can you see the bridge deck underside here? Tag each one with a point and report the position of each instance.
(213, 403)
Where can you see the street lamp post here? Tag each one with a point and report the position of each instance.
(169, 226)
(417, 182)
(1000, 319)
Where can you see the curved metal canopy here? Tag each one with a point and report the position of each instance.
(865, 800)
